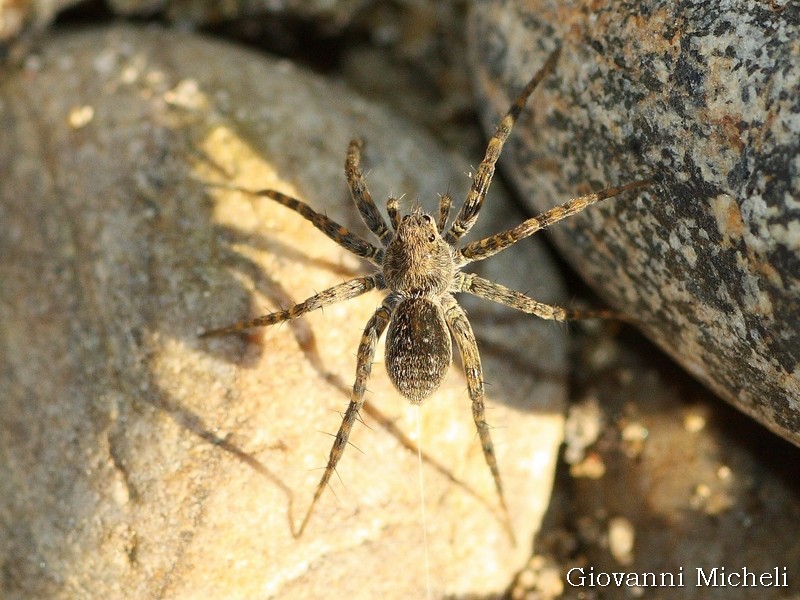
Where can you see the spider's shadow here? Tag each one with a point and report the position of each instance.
(267, 286)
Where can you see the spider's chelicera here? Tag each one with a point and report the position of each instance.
(419, 262)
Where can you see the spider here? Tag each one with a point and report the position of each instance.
(419, 262)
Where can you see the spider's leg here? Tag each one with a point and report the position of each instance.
(393, 208)
(483, 288)
(366, 354)
(339, 234)
(360, 194)
(445, 204)
(483, 177)
(471, 360)
(480, 249)
(343, 291)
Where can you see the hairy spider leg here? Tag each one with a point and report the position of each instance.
(366, 354)
(489, 246)
(461, 331)
(468, 214)
(361, 197)
(338, 233)
(490, 290)
(338, 293)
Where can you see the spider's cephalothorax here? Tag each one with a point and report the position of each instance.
(419, 263)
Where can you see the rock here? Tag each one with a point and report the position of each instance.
(140, 461)
(278, 24)
(704, 99)
(333, 15)
(689, 476)
(20, 18)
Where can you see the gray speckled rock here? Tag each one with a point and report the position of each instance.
(137, 461)
(706, 97)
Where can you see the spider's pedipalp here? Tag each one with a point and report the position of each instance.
(338, 293)
(366, 354)
(361, 197)
(445, 204)
(468, 214)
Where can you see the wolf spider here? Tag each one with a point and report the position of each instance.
(420, 264)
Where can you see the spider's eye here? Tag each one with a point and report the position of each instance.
(427, 219)
(431, 238)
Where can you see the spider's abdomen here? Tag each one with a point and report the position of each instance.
(418, 348)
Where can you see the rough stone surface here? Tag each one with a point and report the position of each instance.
(703, 97)
(692, 482)
(23, 21)
(333, 14)
(137, 461)
(17, 18)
